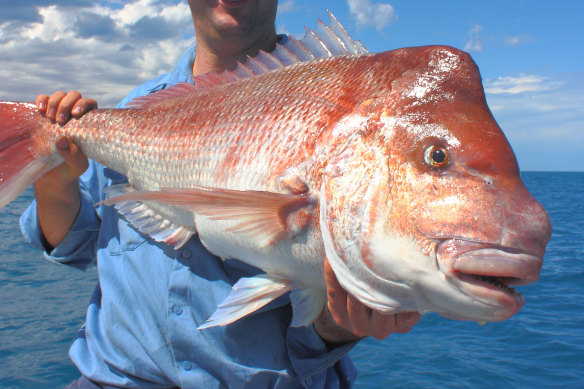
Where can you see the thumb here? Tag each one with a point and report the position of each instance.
(73, 156)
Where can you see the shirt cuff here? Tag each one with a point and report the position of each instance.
(78, 247)
(317, 366)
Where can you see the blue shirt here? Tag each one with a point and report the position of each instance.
(141, 326)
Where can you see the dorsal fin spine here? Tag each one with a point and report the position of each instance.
(229, 76)
(243, 71)
(270, 61)
(316, 45)
(300, 50)
(204, 82)
(257, 66)
(331, 41)
(215, 77)
(285, 55)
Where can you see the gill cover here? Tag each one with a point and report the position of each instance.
(353, 197)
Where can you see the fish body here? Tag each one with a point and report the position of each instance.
(390, 165)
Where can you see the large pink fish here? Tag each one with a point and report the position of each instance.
(389, 164)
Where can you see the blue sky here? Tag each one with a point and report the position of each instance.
(529, 53)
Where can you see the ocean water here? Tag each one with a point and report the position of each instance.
(42, 305)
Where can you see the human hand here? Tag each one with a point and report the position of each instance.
(57, 191)
(67, 173)
(346, 319)
(60, 106)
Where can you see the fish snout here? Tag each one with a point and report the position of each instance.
(506, 250)
(527, 225)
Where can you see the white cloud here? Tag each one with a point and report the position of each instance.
(102, 50)
(366, 13)
(131, 12)
(543, 118)
(474, 42)
(286, 6)
(55, 25)
(520, 84)
(517, 39)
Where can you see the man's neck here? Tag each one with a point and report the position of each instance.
(219, 56)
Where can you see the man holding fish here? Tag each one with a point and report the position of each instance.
(141, 328)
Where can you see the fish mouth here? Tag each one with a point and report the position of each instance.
(489, 273)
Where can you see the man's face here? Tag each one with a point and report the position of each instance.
(237, 19)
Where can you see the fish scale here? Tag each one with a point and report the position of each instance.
(331, 155)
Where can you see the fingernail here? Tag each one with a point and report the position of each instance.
(61, 118)
(62, 144)
(42, 105)
(51, 113)
(76, 110)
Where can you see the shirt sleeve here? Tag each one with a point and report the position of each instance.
(79, 245)
(317, 366)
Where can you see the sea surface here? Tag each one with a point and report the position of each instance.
(42, 305)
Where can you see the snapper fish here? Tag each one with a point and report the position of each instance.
(389, 164)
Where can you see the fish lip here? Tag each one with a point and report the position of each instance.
(513, 267)
(486, 271)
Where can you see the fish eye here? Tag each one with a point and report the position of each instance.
(436, 157)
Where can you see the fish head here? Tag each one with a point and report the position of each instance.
(451, 228)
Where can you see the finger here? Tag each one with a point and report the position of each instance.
(82, 106)
(382, 325)
(66, 105)
(359, 316)
(53, 104)
(405, 321)
(336, 297)
(41, 102)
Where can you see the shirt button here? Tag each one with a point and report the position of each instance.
(308, 381)
(177, 309)
(187, 365)
(186, 253)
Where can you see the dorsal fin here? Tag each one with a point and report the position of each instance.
(324, 42)
(163, 94)
(352, 46)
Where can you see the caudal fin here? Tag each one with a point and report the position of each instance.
(19, 166)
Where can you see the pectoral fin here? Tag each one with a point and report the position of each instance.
(266, 215)
(146, 220)
(247, 296)
(307, 304)
(250, 294)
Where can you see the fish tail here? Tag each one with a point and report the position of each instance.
(20, 163)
